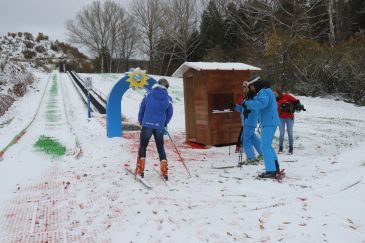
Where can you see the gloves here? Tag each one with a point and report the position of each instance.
(246, 112)
(244, 105)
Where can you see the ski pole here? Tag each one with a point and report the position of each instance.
(139, 147)
(135, 172)
(177, 151)
(230, 138)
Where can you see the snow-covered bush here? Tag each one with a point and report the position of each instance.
(29, 54)
(40, 49)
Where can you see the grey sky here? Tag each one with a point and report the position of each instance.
(47, 16)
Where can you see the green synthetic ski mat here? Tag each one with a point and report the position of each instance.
(50, 146)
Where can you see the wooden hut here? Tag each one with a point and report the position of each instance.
(210, 89)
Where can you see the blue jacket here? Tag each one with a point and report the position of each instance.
(265, 104)
(156, 109)
(251, 120)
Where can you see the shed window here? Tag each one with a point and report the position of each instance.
(221, 101)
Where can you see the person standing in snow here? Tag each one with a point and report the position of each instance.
(265, 104)
(238, 108)
(155, 113)
(286, 114)
(249, 123)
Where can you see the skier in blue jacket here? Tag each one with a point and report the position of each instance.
(155, 113)
(249, 123)
(265, 104)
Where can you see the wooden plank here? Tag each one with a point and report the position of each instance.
(190, 124)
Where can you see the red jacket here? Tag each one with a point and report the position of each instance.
(239, 100)
(286, 98)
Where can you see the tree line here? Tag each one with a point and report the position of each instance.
(311, 47)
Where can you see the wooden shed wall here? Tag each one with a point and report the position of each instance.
(225, 127)
(200, 87)
(196, 106)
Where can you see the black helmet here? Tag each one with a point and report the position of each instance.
(261, 84)
(163, 82)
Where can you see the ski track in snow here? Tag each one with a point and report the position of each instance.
(94, 200)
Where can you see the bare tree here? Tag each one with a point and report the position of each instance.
(115, 16)
(331, 38)
(149, 15)
(127, 41)
(180, 25)
(98, 26)
(89, 29)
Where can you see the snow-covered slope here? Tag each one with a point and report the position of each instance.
(93, 200)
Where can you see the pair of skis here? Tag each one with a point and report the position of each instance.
(279, 177)
(144, 182)
(238, 165)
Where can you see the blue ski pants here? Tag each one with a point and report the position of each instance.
(250, 141)
(145, 136)
(268, 152)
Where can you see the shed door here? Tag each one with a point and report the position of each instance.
(190, 119)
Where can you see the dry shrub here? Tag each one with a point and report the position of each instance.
(5, 102)
(29, 54)
(29, 78)
(20, 89)
(40, 49)
(29, 44)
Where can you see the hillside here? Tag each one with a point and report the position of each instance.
(24, 46)
(21, 54)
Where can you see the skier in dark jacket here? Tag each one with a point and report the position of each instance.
(155, 113)
(238, 108)
(265, 104)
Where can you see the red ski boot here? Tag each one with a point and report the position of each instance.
(140, 167)
(164, 169)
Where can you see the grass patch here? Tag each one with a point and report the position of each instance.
(50, 146)
(54, 89)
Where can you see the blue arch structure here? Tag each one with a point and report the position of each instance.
(114, 106)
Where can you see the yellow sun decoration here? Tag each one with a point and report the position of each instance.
(137, 78)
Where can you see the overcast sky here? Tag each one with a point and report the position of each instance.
(47, 16)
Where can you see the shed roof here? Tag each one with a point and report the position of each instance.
(228, 66)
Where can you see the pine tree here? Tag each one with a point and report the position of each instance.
(231, 41)
(211, 28)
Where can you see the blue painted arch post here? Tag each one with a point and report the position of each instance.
(114, 107)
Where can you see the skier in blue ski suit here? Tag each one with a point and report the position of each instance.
(265, 104)
(249, 124)
(155, 113)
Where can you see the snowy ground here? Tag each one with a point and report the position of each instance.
(92, 199)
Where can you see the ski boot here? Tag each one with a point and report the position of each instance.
(268, 175)
(280, 151)
(164, 168)
(260, 158)
(290, 150)
(140, 167)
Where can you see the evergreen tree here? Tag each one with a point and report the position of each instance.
(211, 28)
(231, 41)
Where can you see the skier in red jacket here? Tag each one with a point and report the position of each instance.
(286, 108)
